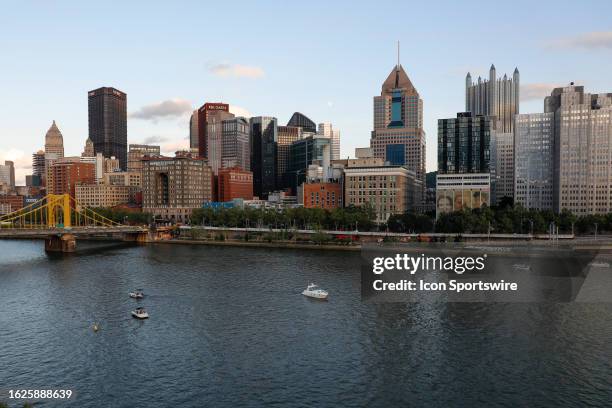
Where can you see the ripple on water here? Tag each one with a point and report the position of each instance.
(229, 327)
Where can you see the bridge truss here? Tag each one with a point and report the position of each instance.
(55, 211)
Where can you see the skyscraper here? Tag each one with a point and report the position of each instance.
(498, 97)
(108, 123)
(54, 142)
(494, 97)
(206, 113)
(286, 136)
(582, 149)
(327, 130)
(235, 144)
(264, 138)
(398, 136)
(38, 164)
(464, 162)
(7, 173)
(193, 130)
(300, 120)
(534, 138)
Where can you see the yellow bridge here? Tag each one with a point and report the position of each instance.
(60, 218)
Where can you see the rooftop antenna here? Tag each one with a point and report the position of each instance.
(398, 54)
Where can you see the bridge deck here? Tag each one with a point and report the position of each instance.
(76, 231)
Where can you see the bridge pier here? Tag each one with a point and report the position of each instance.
(64, 243)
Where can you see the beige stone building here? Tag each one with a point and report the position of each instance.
(388, 189)
(173, 186)
(101, 195)
(583, 150)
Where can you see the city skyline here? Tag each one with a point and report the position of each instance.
(169, 72)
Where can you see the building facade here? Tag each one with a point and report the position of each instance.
(7, 173)
(234, 182)
(206, 113)
(534, 138)
(386, 188)
(193, 130)
(108, 123)
(494, 96)
(398, 136)
(302, 121)
(173, 187)
(321, 195)
(287, 135)
(303, 153)
(583, 150)
(139, 151)
(67, 174)
(459, 191)
(101, 195)
(327, 130)
(264, 139)
(235, 144)
(464, 155)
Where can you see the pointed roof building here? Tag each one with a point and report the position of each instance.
(398, 79)
(54, 141)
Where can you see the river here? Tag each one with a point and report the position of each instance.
(229, 328)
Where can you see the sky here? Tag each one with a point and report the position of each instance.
(324, 59)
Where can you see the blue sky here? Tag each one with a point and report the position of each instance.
(325, 59)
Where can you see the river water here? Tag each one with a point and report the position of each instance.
(230, 328)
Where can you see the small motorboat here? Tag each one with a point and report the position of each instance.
(137, 294)
(314, 291)
(140, 313)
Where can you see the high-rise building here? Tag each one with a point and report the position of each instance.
(235, 144)
(303, 153)
(89, 149)
(300, 120)
(66, 174)
(327, 130)
(497, 97)
(7, 173)
(206, 113)
(173, 186)
(286, 136)
(583, 150)
(139, 151)
(264, 138)
(464, 144)
(534, 140)
(108, 123)
(38, 164)
(398, 136)
(54, 142)
(463, 179)
(193, 130)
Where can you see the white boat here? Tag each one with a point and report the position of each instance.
(137, 294)
(314, 291)
(140, 313)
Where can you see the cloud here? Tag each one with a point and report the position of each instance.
(236, 70)
(538, 90)
(165, 109)
(587, 41)
(240, 111)
(22, 163)
(170, 148)
(154, 139)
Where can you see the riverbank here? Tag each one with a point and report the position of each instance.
(251, 244)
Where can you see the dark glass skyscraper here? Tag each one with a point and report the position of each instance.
(301, 120)
(264, 138)
(464, 144)
(108, 123)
